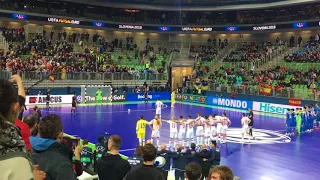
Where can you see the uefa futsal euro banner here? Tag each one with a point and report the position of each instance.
(232, 103)
(151, 96)
(192, 98)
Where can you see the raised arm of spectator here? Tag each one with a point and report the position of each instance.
(17, 79)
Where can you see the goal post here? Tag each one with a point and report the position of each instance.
(89, 94)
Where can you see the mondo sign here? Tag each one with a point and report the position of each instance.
(233, 103)
(54, 99)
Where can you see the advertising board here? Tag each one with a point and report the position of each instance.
(151, 96)
(54, 99)
(233, 103)
(191, 98)
(271, 108)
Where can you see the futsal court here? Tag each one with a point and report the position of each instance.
(270, 156)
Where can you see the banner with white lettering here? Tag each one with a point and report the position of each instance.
(272, 108)
(232, 103)
(54, 99)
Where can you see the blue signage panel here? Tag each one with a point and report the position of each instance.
(232, 103)
(151, 96)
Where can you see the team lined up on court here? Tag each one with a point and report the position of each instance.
(207, 128)
(302, 120)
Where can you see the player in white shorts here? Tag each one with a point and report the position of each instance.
(159, 105)
(182, 130)
(245, 125)
(219, 128)
(156, 126)
(190, 131)
(199, 122)
(207, 130)
(213, 123)
(225, 123)
(173, 130)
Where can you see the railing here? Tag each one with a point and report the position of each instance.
(288, 92)
(93, 76)
(5, 74)
(256, 64)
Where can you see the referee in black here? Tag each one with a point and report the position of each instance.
(250, 116)
(48, 99)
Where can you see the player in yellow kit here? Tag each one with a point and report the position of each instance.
(173, 99)
(141, 130)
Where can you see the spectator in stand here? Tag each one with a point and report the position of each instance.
(111, 165)
(23, 127)
(166, 155)
(147, 170)
(215, 155)
(86, 154)
(101, 147)
(179, 162)
(221, 173)
(193, 171)
(136, 160)
(31, 122)
(205, 165)
(53, 157)
(76, 164)
(15, 167)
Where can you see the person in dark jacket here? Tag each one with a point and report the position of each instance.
(179, 162)
(147, 170)
(193, 156)
(53, 157)
(166, 155)
(136, 160)
(205, 165)
(86, 154)
(111, 165)
(37, 114)
(215, 155)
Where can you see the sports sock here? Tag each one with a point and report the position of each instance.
(157, 142)
(151, 140)
(140, 141)
(143, 141)
(174, 144)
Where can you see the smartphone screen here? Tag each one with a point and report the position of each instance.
(75, 143)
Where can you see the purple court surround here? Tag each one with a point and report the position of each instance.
(295, 160)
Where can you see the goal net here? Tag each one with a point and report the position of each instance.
(89, 94)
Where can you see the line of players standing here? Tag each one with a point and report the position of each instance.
(302, 119)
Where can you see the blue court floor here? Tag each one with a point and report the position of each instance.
(272, 156)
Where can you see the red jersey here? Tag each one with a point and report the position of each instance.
(25, 133)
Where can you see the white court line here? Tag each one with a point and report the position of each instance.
(124, 150)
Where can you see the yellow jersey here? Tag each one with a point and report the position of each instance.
(141, 126)
(173, 96)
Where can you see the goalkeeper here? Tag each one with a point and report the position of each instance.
(99, 96)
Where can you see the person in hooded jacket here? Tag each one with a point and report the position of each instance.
(111, 165)
(53, 157)
(180, 162)
(14, 162)
(166, 155)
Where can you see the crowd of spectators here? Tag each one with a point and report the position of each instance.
(47, 56)
(309, 53)
(78, 10)
(251, 52)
